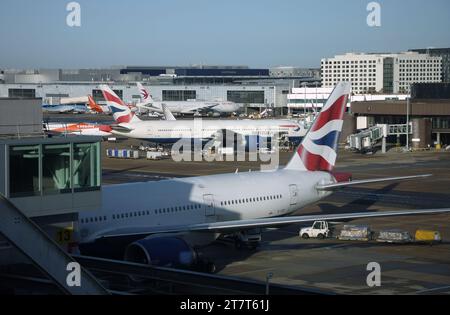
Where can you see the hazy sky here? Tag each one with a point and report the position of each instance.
(258, 33)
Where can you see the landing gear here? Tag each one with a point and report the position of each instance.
(239, 245)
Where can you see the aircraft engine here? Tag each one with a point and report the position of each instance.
(171, 252)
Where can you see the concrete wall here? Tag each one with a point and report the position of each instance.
(20, 116)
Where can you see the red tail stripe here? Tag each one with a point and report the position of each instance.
(335, 112)
(111, 98)
(124, 119)
(313, 162)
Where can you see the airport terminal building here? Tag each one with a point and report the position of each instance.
(254, 88)
(382, 73)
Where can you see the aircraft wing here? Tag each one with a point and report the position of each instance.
(334, 186)
(230, 226)
(194, 109)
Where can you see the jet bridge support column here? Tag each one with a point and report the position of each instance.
(34, 243)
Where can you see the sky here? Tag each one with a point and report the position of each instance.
(257, 33)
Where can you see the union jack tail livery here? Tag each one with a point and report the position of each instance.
(121, 112)
(145, 95)
(318, 150)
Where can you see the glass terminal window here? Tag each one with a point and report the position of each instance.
(56, 169)
(179, 95)
(50, 169)
(97, 95)
(22, 93)
(246, 97)
(24, 171)
(86, 166)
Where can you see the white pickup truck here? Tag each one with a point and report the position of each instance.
(320, 229)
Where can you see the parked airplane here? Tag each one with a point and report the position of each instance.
(171, 131)
(61, 109)
(161, 223)
(186, 107)
(82, 129)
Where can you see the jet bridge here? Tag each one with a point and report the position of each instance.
(367, 139)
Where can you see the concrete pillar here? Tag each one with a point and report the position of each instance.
(421, 133)
(383, 145)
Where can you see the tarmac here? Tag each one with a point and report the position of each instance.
(333, 265)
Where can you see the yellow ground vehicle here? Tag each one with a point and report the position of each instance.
(424, 236)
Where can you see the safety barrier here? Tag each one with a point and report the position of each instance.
(122, 154)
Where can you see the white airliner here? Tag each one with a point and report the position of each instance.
(186, 107)
(172, 131)
(161, 223)
(81, 129)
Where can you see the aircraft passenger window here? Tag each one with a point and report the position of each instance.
(184, 208)
(105, 218)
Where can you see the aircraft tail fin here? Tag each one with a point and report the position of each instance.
(121, 112)
(145, 94)
(318, 150)
(93, 105)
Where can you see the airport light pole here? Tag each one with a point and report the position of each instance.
(408, 100)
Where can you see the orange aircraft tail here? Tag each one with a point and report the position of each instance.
(94, 106)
